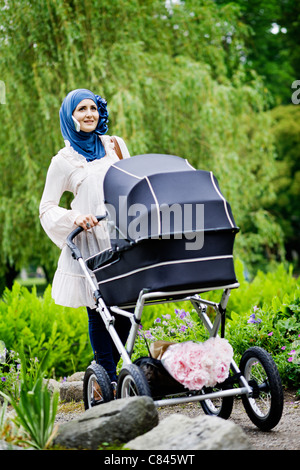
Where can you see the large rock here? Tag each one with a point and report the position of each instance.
(118, 421)
(179, 432)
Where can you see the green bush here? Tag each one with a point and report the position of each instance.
(276, 328)
(38, 322)
(260, 291)
(276, 283)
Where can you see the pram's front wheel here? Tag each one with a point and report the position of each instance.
(132, 382)
(97, 387)
(265, 406)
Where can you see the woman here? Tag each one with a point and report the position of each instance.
(80, 168)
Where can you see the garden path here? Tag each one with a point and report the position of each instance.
(285, 436)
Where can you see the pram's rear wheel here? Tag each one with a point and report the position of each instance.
(132, 382)
(221, 406)
(97, 387)
(265, 406)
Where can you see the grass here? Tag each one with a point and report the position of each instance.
(70, 407)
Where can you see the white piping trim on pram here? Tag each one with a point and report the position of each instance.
(151, 189)
(188, 164)
(208, 258)
(222, 197)
(156, 203)
(128, 173)
(96, 254)
(218, 192)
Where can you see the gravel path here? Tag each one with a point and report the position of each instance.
(285, 436)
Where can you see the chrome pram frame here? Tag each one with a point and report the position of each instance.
(239, 386)
(154, 298)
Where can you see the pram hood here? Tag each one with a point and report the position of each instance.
(154, 195)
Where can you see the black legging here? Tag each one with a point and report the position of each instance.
(105, 352)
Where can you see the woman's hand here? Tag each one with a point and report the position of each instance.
(86, 221)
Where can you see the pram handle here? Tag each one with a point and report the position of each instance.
(76, 253)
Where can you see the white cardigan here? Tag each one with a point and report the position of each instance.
(70, 171)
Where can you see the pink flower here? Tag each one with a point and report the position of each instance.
(271, 333)
(290, 359)
(196, 365)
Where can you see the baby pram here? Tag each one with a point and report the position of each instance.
(172, 234)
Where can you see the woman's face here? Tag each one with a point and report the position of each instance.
(86, 113)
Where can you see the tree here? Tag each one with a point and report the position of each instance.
(286, 130)
(175, 82)
(273, 46)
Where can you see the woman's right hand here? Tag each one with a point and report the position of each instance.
(86, 221)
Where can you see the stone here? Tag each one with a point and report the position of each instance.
(53, 385)
(179, 432)
(76, 377)
(71, 391)
(117, 421)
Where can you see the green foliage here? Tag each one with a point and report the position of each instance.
(273, 43)
(274, 298)
(41, 325)
(36, 407)
(3, 411)
(277, 331)
(10, 365)
(286, 131)
(177, 326)
(263, 288)
(260, 291)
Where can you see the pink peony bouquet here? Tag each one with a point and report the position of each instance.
(198, 365)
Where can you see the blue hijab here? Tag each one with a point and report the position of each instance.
(87, 144)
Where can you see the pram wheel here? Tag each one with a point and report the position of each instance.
(132, 382)
(221, 406)
(265, 406)
(97, 387)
